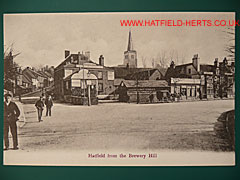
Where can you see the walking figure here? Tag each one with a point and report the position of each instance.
(49, 104)
(40, 106)
(11, 114)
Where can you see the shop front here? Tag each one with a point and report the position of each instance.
(185, 89)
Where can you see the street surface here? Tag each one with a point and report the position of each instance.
(187, 125)
(184, 126)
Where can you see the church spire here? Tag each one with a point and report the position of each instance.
(130, 43)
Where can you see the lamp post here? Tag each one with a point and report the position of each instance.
(175, 80)
(89, 83)
(83, 83)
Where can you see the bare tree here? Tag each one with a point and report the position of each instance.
(183, 57)
(39, 67)
(173, 56)
(144, 61)
(153, 63)
(162, 59)
(230, 46)
(10, 69)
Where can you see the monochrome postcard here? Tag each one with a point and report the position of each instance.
(119, 89)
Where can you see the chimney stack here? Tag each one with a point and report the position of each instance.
(67, 53)
(195, 62)
(172, 65)
(101, 60)
(225, 62)
(79, 57)
(216, 63)
(87, 54)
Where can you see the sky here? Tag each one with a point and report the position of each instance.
(42, 38)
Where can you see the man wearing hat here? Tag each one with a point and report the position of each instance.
(11, 114)
(40, 106)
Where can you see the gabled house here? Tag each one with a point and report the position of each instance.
(74, 63)
(36, 78)
(189, 70)
(184, 80)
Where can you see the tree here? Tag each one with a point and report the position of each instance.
(230, 46)
(10, 69)
(183, 56)
(173, 56)
(144, 61)
(162, 59)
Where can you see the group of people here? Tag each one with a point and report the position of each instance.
(40, 106)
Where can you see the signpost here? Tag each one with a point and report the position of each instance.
(89, 92)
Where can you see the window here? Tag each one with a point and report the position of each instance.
(110, 75)
(76, 83)
(100, 86)
(100, 75)
(132, 56)
(189, 71)
(126, 56)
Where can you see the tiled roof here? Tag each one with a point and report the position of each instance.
(145, 83)
(122, 72)
(74, 57)
(206, 68)
(26, 79)
(31, 74)
(142, 75)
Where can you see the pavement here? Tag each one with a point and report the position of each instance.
(121, 127)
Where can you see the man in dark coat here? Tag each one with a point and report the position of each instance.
(11, 114)
(49, 104)
(40, 106)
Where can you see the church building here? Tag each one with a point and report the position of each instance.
(130, 56)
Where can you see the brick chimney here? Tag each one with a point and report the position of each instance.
(195, 62)
(216, 63)
(87, 54)
(101, 60)
(67, 53)
(79, 57)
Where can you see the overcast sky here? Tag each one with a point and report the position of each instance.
(42, 38)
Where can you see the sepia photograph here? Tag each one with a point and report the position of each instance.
(119, 89)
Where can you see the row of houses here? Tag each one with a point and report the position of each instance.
(21, 81)
(191, 81)
(80, 80)
(37, 79)
(30, 79)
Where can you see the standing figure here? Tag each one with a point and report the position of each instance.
(49, 104)
(151, 98)
(40, 106)
(11, 114)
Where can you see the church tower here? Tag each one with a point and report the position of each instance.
(130, 56)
